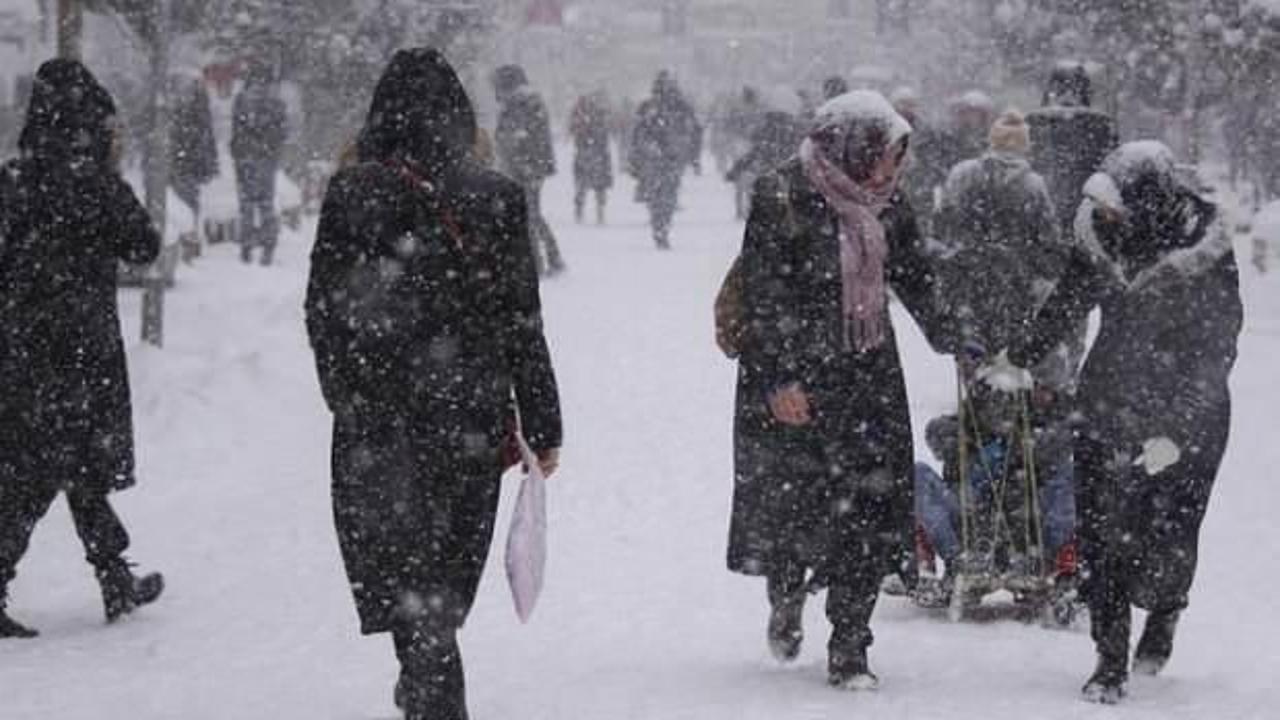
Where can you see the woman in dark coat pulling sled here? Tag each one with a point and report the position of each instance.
(424, 315)
(823, 458)
(1153, 398)
(67, 218)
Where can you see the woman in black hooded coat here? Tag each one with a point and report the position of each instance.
(1153, 396)
(67, 218)
(424, 315)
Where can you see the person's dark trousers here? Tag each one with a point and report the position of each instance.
(540, 232)
(580, 202)
(1104, 587)
(256, 189)
(432, 685)
(851, 600)
(663, 197)
(22, 504)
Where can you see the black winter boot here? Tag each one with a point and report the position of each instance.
(787, 594)
(786, 629)
(1156, 644)
(123, 592)
(10, 628)
(847, 666)
(1106, 685)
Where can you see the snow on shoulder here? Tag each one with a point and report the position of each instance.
(863, 106)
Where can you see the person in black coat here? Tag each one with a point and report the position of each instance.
(522, 140)
(67, 218)
(193, 149)
(259, 128)
(667, 138)
(425, 319)
(1069, 139)
(592, 163)
(1153, 397)
(823, 444)
(774, 141)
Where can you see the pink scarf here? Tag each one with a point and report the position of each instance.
(863, 247)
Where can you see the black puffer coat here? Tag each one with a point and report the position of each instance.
(784, 489)
(66, 219)
(424, 315)
(1168, 289)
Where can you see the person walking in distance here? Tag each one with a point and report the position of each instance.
(592, 163)
(259, 127)
(522, 140)
(667, 139)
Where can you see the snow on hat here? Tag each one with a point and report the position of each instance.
(856, 128)
(1010, 134)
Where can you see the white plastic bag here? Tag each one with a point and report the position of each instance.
(527, 537)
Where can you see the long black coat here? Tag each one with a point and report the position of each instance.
(790, 482)
(1158, 368)
(259, 124)
(666, 139)
(592, 163)
(67, 219)
(425, 319)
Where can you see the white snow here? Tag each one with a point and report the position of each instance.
(639, 620)
(863, 105)
(1133, 158)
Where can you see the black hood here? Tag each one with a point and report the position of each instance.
(1069, 85)
(420, 112)
(69, 116)
(507, 80)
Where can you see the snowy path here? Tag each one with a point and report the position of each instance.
(640, 620)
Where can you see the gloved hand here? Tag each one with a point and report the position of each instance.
(970, 357)
(1001, 374)
(1158, 454)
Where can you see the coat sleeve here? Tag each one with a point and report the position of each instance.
(1211, 351)
(772, 341)
(912, 277)
(1049, 250)
(137, 240)
(1078, 292)
(332, 260)
(521, 328)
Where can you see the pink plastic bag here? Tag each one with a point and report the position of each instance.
(527, 538)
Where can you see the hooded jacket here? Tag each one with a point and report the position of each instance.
(1168, 287)
(67, 218)
(425, 320)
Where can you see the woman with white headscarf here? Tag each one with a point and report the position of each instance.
(823, 492)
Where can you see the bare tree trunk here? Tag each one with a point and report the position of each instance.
(156, 169)
(70, 28)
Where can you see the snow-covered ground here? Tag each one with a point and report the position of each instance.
(639, 620)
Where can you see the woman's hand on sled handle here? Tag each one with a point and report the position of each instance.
(1001, 374)
(790, 405)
